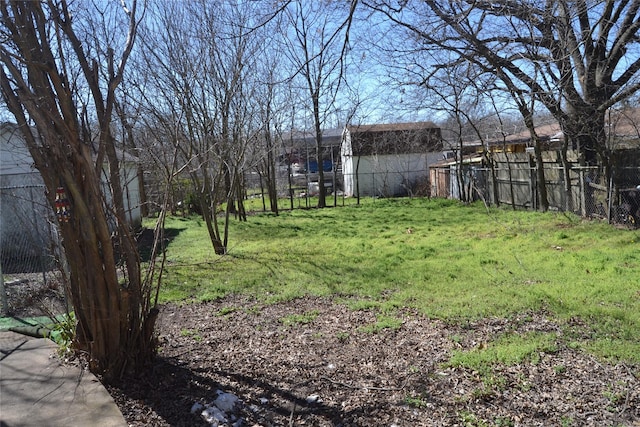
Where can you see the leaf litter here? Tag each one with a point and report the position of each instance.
(334, 371)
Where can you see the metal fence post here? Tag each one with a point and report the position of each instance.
(3, 297)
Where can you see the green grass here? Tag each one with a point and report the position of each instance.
(508, 349)
(383, 322)
(193, 333)
(300, 319)
(453, 262)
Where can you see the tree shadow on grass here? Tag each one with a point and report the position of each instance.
(146, 238)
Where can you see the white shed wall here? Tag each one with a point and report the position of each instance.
(389, 175)
(26, 218)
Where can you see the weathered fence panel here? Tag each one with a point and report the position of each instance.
(570, 187)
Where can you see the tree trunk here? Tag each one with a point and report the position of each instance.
(537, 151)
(209, 202)
(114, 313)
(585, 128)
(239, 186)
(322, 193)
(494, 179)
(272, 185)
(542, 182)
(229, 190)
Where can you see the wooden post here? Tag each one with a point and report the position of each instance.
(610, 200)
(582, 190)
(532, 183)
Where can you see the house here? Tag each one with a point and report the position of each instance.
(622, 129)
(27, 223)
(385, 160)
(549, 135)
(460, 177)
(26, 229)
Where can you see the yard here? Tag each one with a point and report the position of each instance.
(450, 262)
(399, 312)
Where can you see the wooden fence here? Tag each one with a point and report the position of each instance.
(513, 182)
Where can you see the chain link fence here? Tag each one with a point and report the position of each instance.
(616, 199)
(31, 279)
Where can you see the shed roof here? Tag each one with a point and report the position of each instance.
(395, 138)
(466, 160)
(392, 127)
(547, 133)
(13, 129)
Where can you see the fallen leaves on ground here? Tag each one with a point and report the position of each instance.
(332, 368)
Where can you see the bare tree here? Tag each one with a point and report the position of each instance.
(201, 91)
(457, 90)
(266, 152)
(577, 58)
(62, 64)
(317, 48)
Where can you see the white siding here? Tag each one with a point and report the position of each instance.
(389, 175)
(382, 175)
(14, 156)
(25, 214)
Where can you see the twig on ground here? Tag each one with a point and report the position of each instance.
(291, 416)
(357, 387)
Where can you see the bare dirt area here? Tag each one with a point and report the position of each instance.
(315, 362)
(34, 294)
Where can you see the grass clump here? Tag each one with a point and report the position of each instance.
(191, 333)
(383, 322)
(225, 311)
(300, 319)
(509, 349)
(419, 402)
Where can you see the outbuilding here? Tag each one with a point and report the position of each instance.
(386, 160)
(27, 222)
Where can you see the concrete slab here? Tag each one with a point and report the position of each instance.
(36, 389)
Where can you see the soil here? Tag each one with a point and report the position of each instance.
(317, 362)
(34, 295)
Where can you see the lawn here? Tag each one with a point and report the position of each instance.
(454, 262)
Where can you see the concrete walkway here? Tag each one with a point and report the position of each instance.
(37, 390)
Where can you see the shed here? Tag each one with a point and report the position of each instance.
(444, 177)
(27, 223)
(387, 160)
